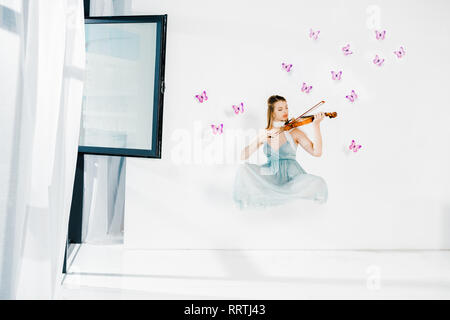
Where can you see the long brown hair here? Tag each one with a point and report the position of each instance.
(270, 107)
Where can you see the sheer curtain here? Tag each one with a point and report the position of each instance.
(43, 59)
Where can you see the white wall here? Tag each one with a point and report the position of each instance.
(394, 193)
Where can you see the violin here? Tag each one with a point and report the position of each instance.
(302, 119)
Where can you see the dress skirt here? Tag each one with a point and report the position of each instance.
(276, 182)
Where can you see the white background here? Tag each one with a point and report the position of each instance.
(392, 194)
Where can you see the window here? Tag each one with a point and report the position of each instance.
(124, 86)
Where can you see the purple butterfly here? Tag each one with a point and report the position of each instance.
(286, 67)
(217, 129)
(352, 96)
(313, 34)
(336, 75)
(346, 50)
(202, 97)
(380, 34)
(238, 108)
(400, 53)
(378, 61)
(353, 146)
(306, 88)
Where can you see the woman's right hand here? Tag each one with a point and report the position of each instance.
(265, 135)
(261, 138)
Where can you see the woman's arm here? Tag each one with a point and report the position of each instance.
(251, 148)
(248, 151)
(315, 149)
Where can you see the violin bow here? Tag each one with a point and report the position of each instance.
(313, 107)
(310, 109)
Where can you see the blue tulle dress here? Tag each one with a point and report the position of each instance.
(278, 181)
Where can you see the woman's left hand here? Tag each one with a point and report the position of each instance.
(318, 117)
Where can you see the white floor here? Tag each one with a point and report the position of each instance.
(111, 272)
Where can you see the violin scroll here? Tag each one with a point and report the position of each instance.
(331, 115)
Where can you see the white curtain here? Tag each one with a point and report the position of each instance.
(110, 7)
(41, 107)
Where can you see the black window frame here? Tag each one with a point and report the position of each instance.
(159, 87)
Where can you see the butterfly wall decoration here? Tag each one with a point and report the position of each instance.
(314, 34)
(238, 108)
(305, 88)
(336, 75)
(352, 96)
(346, 50)
(400, 53)
(202, 97)
(380, 34)
(286, 67)
(217, 129)
(378, 60)
(354, 147)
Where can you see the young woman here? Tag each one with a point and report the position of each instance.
(282, 178)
